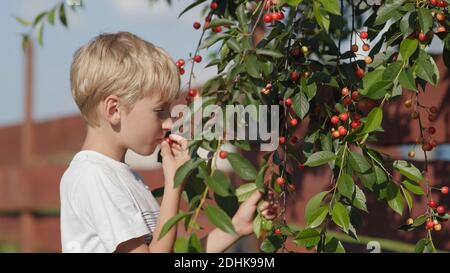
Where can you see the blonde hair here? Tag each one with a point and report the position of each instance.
(124, 65)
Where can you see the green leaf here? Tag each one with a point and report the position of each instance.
(220, 183)
(340, 216)
(408, 22)
(245, 190)
(332, 6)
(257, 225)
(242, 18)
(313, 204)
(40, 33)
(359, 201)
(51, 16)
(317, 217)
(271, 244)
(320, 158)
(373, 122)
(185, 170)
(425, 19)
(243, 168)
(233, 44)
(260, 178)
(23, 22)
(251, 65)
(62, 15)
(322, 18)
(370, 79)
(220, 219)
(413, 187)
(379, 89)
(406, 79)
(39, 18)
(292, 3)
(181, 245)
(221, 22)
(345, 185)
(213, 39)
(423, 246)
(392, 71)
(358, 162)
(269, 52)
(193, 5)
(408, 198)
(172, 222)
(396, 203)
(300, 105)
(307, 238)
(409, 170)
(408, 47)
(388, 10)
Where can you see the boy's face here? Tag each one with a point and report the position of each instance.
(145, 126)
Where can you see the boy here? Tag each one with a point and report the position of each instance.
(123, 87)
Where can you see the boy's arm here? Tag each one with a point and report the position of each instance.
(173, 156)
(219, 241)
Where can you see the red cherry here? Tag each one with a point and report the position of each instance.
(223, 154)
(288, 102)
(180, 62)
(355, 48)
(181, 71)
(347, 101)
(355, 124)
(335, 134)
(432, 117)
(278, 231)
(197, 25)
(343, 116)
(214, 5)
(280, 181)
(192, 93)
(334, 120)
(294, 122)
(169, 140)
(432, 204)
(295, 76)
(434, 2)
(280, 15)
(431, 130)
(444, 190)
(217, 29)
(295, 52)
(345, 92)
(433, 109)
(355, 95)
(268, 18)
(342, 130)
(363, 34)
(429, 224)
(422, 37)
(197, 58)
(427, 147)
(366, 47)
(282, 140)
(206, 26)
(294, 139)
(359, 73)
(357, 116)
(442, 4)
(440, 209)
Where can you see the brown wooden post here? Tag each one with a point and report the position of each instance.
(27, 149)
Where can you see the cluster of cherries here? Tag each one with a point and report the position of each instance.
(365, 47)
(273, 13)
(213, 7)
(431, 143)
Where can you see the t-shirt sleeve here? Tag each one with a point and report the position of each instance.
(107, 208)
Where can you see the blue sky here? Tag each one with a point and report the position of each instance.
(158, 24)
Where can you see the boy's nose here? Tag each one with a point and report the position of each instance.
(167, 124)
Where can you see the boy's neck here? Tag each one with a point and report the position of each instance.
(100, 142)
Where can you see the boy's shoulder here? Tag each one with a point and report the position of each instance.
(88, 167)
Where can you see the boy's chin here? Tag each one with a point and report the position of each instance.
(146, 151)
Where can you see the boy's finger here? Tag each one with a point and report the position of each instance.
(165, 149)
(264, 206)
(254, 198)
(180, 140)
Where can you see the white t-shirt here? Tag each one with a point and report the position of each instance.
(104, 203)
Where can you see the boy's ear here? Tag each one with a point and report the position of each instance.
(111, 109)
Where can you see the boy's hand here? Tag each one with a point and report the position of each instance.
(174, 153)
(243, 219)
